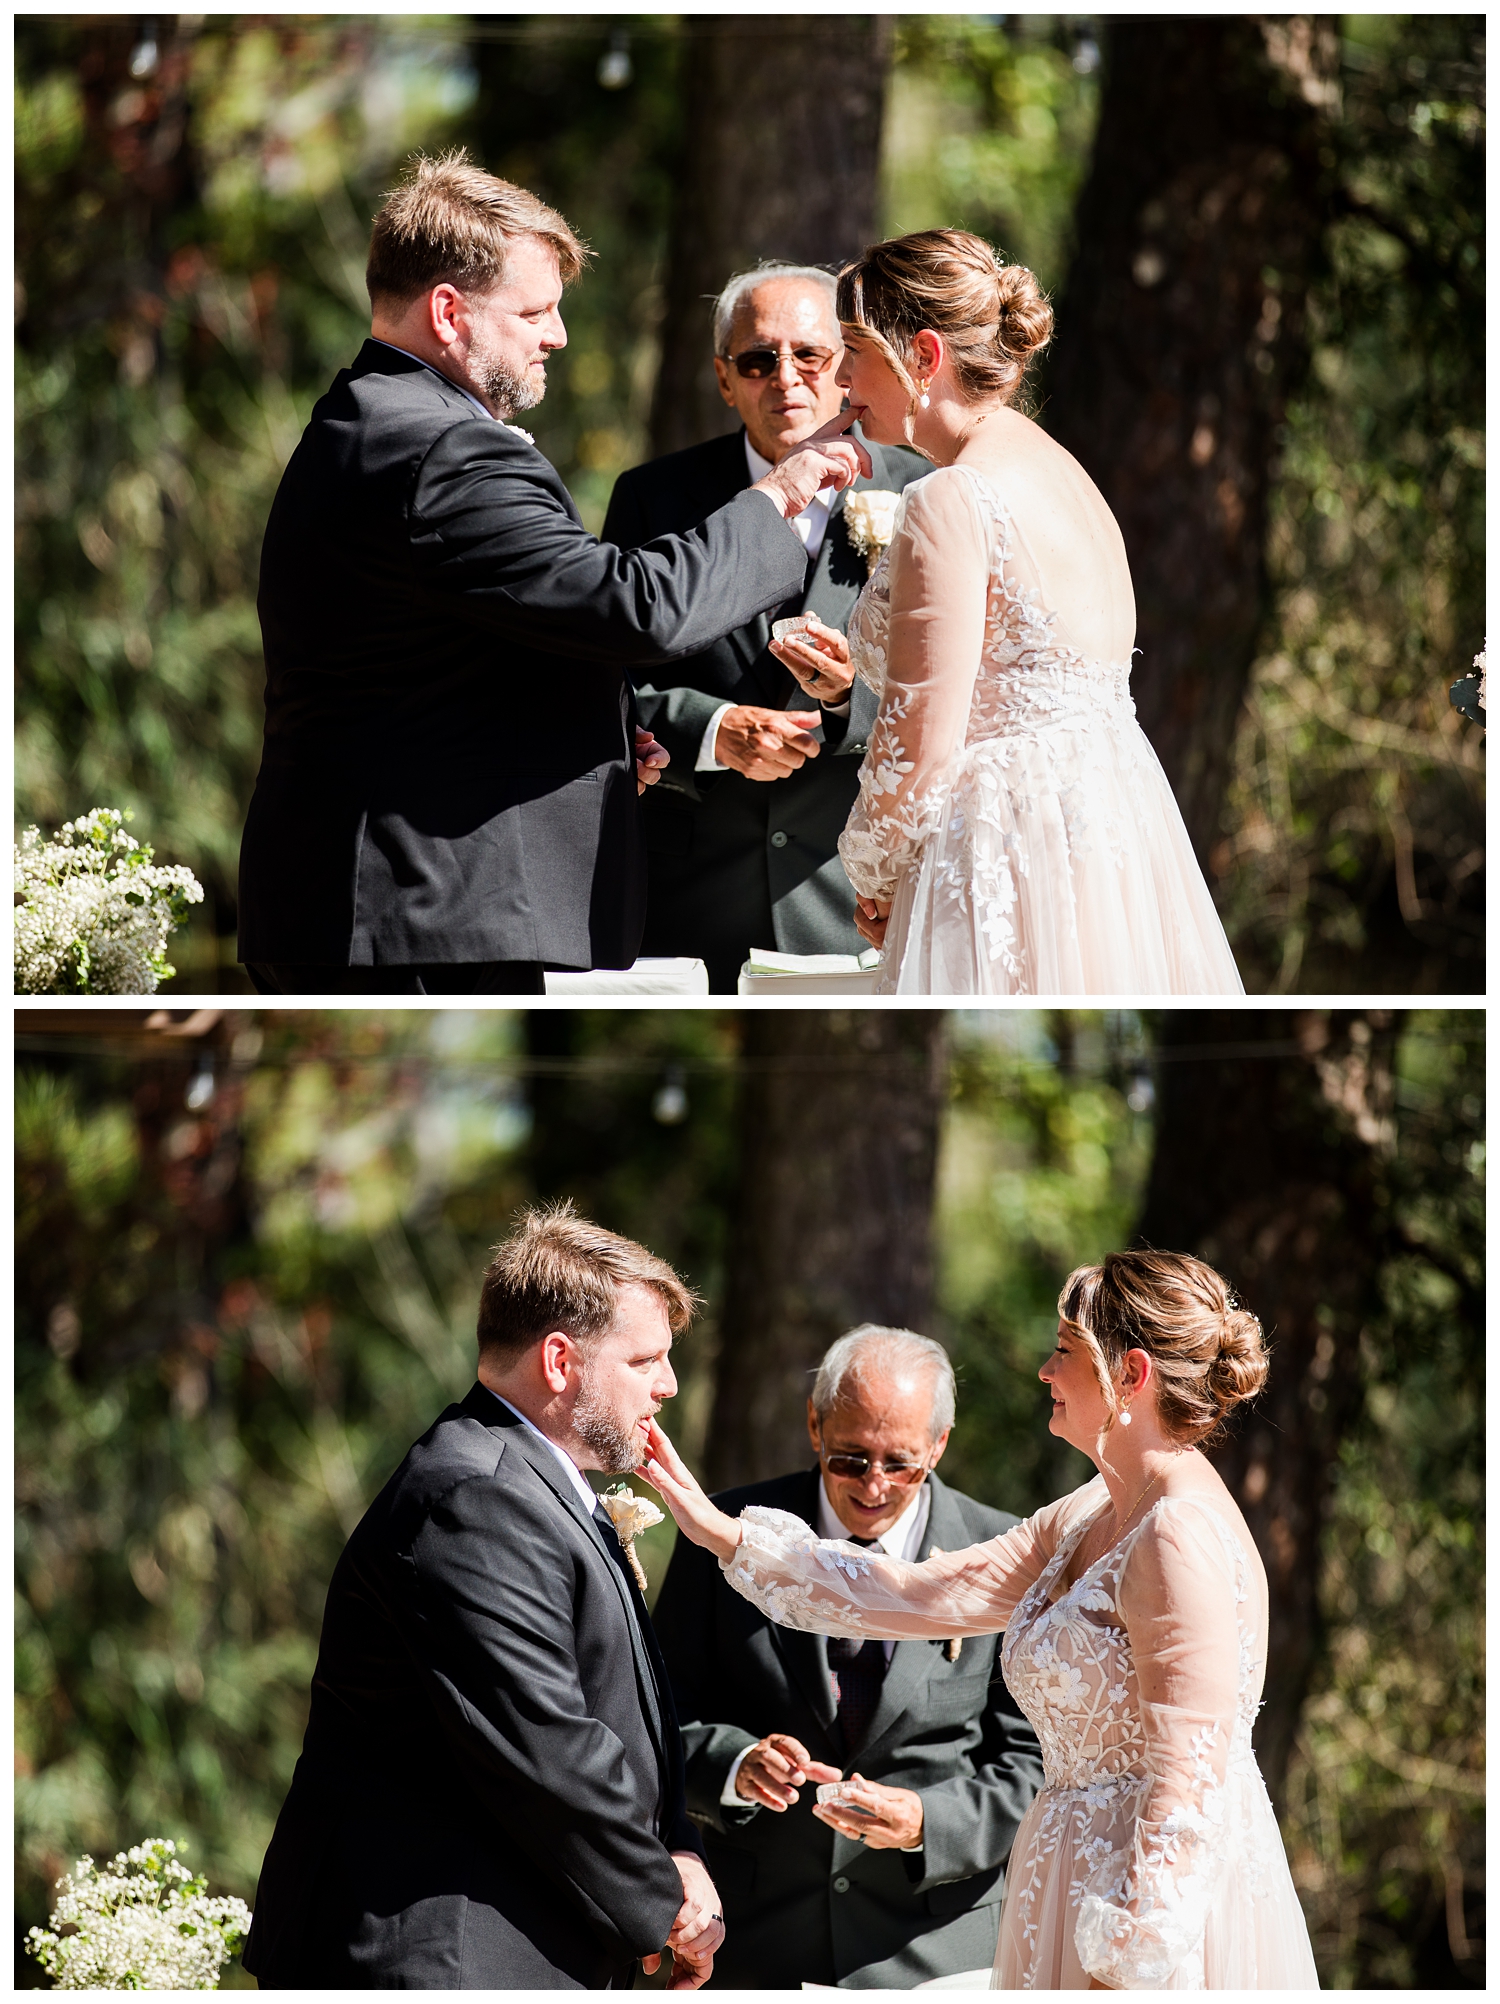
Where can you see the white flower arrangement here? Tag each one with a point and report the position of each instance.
(142, 1922)
(630, 1514)
(93, 911)
(870, 519)
(1479, 663)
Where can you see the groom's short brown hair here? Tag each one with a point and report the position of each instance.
(558, 1271)
(451, 223)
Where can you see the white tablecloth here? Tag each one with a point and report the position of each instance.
(647, 977)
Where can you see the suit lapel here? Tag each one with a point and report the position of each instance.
(540, 1458)
(911, 1662)
(804, 1656)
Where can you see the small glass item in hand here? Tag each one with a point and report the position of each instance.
(835, 1794)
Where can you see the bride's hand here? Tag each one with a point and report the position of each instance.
(697, 1518)
(818, 656)
(870, 918)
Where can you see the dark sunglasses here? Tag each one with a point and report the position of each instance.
(758, 362)
(858, 1466)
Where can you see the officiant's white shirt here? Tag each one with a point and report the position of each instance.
(902, 1541)
(812, 526)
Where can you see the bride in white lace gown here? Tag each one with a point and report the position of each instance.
(1014, 832)
(1134, 1614)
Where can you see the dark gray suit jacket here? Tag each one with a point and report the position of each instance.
(491, 1783)
(801, 1903)
(737, 863)
(448, 773)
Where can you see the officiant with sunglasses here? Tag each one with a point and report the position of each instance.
(742, 831)
(898, 1880)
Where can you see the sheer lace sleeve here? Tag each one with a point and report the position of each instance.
(799, 1580)
(938, 578)
(1178, 1599)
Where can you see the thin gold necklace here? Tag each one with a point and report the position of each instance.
(1121, 1522)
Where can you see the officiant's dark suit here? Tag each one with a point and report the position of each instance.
(737, 863)
(491, 1781)
(448, 773)
(801, 1902)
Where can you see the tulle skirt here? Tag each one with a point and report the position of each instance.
(1255, 1936)
(1062, 867)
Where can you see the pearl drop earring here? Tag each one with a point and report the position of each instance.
(1125, 1416)
(924, 400)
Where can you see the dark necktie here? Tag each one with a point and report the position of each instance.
(858, 1671)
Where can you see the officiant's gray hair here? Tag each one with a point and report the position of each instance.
(745, 282)
(871, 1351)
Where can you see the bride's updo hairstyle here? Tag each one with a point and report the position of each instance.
(992, 316)
(1208, 1351)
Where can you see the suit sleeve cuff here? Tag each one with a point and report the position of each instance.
(706, 760)
(727, 1795)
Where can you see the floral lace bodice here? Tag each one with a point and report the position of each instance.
(944, 689)
(1141, 1680)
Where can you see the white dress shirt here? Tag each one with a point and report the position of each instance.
(812, 526)
(902, 1541)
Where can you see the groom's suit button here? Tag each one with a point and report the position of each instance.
(841, 1885)
(779, 839)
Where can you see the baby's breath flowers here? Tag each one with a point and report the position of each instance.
(93, 911)
(870, 519)
(141, 1922)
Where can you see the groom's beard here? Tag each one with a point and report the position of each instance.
(617, 1444)
(508, 393)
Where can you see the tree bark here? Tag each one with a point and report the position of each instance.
(1273, 1136)
(781, 159)
(1179, 338)
(838, 1119)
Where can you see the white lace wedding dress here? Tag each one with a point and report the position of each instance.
(1151, 1858)
(1009, 804)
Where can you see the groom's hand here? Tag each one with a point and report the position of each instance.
(765, 744)
(650, 757)
(698, 1931)
(825, 458)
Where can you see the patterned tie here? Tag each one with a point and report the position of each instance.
(858, 1671)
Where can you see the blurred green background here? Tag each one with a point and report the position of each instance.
(248, 1249)
(192, 204)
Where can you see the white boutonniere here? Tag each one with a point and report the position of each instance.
(630, 1514)
(518, 432)
(870, 518)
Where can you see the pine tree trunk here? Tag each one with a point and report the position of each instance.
(838, 1116)
(781, 159)
(1272, 1137)
(1179, 337)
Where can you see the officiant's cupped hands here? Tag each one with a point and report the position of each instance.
(698, 1520)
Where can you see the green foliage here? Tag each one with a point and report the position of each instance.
(1043, 1167)
(988, 129)
(1386, 1789)
(1353, 850)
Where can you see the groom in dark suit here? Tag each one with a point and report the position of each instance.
(742, 833)
(490, 1793)
(904, 1884)
(447, 796)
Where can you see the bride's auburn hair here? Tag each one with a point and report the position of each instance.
(1208, 1352)
(992, 316)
